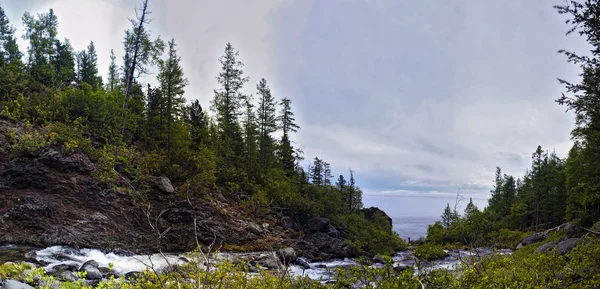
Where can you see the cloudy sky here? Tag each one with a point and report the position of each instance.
(420, 98)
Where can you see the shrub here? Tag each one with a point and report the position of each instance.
(430, 251)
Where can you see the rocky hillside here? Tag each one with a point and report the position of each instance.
(52, 198)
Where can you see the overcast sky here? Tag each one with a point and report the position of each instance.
(420, 98)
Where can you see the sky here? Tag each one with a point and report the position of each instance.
(422, 99)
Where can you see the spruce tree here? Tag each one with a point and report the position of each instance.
(41, 33)
(267, 124)
(113, 73)
(172, 83)
(198, 123)
(64, 64)
(287, 124)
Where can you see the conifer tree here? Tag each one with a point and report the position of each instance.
(64, 64)
(172, 83)
(113, 73)
(287, 123)
(198, 123)
(267, 124)
(41, 33)
(88, 67)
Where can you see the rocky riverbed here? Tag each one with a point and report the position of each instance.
(62, 262)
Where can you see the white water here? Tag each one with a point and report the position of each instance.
(322, 271)
(56, 255)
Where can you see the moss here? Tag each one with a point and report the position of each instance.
(430, 251)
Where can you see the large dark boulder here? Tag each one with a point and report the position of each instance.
(531, 239)
(573, 230)
(319, 225)
(546, 247)
(320, 246)
(287, 255)
(373, 211)
(91, 268)
(567, 245)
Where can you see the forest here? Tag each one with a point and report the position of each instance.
(242, 145)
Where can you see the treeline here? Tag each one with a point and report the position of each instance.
(554, 190)
(138, 131)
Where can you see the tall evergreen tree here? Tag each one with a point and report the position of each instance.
(88, 67)
(64, 64)
(172, 84)
(11, 65)
(113, 73)
(198, 123)
(227, 104)
(41, 33)
(249, 123)
(287, 124)
(267, 124)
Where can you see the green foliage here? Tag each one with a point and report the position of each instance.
(430, 251)
(374, 236)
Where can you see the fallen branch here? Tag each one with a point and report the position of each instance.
(593, 232)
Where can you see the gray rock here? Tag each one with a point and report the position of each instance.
(286, 222)
(12, 284)
(107, 273)
(378, 260)
(65, 276)
(319, 225)
(254, 228)
(400, 267)
(573, 230)
(269, 261)
(567, 245)
(532, 239)
(164, 184)
(286, 255)
(64, 267)
(333, 232)
(91, 267)
(303, 262)
(546, 247)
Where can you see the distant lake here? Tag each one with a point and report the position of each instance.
(413, 227)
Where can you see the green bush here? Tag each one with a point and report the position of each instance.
(430, 251)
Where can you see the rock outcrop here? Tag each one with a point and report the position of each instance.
(372, 211)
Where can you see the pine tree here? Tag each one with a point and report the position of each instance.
(287, 123)
(172, 84)
(41, 33)
(448, 217)
(267, 124)
(11, 66)
(113, 73)
(227, 104)
(316, 172)
(64, 64)
(198, 123)
(470, 209)
(341, 183)
(88, 67)
(326, 174)
(249, 124)
(155, 118)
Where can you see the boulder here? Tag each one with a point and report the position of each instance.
(65, 276)
(532, 239)
(303, 262)
(286, 222)
(164, 184)
(64, 267)
(254, 228)
(91, 267)
(546, 247)
(107, 272)
(573, 230)
(320, 246)
(269, 261)
(373, 211)
(567, 245)
(319, 225)
(378, 260)
(286, 255)
(333, 232)
(12, 284)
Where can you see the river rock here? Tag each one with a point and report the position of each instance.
(303, 262)
(164, 184)
(65, 276)
(286, 255)
(64, 267)
(546, 247)
(91, 267)
(567, 245)
(254, 228)
(107, 272)
(269, 261)
(12, 284)
(319, 225)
